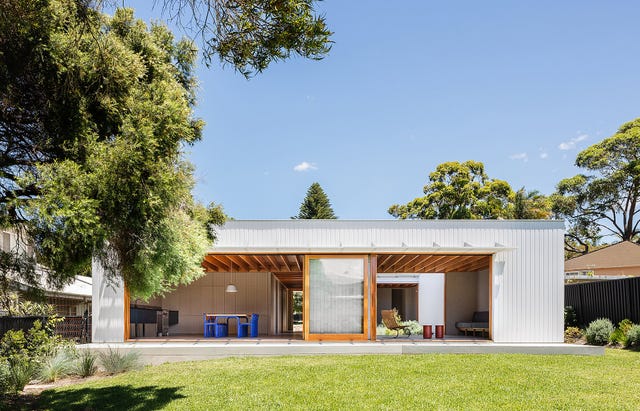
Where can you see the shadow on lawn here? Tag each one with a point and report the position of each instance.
(119, 397)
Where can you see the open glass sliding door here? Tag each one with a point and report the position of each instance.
(336, 290)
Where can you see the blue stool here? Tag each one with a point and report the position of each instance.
(208, 326)
(220, 330)
(251, 327)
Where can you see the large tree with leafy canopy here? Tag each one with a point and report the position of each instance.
(249, 34)
(316, 205)
(94, 114)
(459, 191)
(604, 201)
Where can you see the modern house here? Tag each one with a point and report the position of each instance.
(438, 272)
(614, 262)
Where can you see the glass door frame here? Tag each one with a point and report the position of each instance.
(366, 307)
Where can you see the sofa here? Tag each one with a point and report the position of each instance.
(478, 324)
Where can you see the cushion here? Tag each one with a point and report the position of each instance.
(480, 317)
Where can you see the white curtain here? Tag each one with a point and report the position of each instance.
(336, 295)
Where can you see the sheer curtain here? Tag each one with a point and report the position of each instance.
(336, 295)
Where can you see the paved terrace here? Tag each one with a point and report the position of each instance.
(161, 351)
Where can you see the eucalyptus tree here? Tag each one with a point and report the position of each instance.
(459, 191)
(605, 200)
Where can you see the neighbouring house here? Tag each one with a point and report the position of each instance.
(617, 261)
(73, 299)
(438, 272)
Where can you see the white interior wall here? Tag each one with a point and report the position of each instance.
(461, 299)
(482, 298)
(431, 297)
(207, 295)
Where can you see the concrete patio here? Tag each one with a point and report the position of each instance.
(172, 350)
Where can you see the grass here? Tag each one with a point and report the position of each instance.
(438, 381)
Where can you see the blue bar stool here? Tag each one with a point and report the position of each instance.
(220, 330)
(251, 326)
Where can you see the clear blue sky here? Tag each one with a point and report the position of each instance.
(409, 85)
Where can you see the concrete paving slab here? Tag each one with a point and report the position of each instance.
(161, 352)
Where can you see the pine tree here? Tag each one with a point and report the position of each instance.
(316, 205)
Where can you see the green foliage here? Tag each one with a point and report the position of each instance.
(572, 334)
(5, 381)
(618, 337)
(413, 327)
(114, 362)
(531, 205)
(57, 366)
(603, 202)
(570, 317)
(25, 352)
(625, 325)
(98, 169)
(633, 337)
(14, 306)
(39, 341)
(316, 205)
(85, 365)
(21, 371)
(252, 34)
(459, 191)
(599, 331)
(297, 301)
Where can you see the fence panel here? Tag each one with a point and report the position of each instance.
(72, 327)
(613, 299)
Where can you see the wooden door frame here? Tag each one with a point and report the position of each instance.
(307, 335)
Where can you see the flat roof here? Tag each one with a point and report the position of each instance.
(370, 236)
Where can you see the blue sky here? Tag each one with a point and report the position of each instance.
(409, 85)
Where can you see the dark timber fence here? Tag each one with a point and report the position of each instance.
(613, 299)
(75, 328)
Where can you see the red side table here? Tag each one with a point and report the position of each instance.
(427, 332)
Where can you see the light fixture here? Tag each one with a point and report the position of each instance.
(231, 288)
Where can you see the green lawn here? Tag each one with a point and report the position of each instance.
(438, 381)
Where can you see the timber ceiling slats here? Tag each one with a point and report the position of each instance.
(252, 263)
(387, 263)
(432, 263)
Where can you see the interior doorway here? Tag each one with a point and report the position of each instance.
(297, 296)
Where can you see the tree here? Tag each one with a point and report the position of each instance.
(604, 201)
(315, 205)
(531, 205)
(94, 112)
(251, 34)
(459, 191)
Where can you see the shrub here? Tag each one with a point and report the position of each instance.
(57, 366)
(570, 317)
(625, 325)
(633, 337)
(85, 365)
(572, 334)
(114, 362)
(618, 337)
(21, 371)
(599, 331)
(413, 326)
(4, 376)
(39, 341)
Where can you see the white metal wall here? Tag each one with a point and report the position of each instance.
(107, 308)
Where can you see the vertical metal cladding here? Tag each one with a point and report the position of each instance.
(527, 273)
